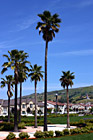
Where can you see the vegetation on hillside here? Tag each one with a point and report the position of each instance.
(76, 95)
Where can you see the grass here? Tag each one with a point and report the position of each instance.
(63, 120)
(74, 137)
(52, 119)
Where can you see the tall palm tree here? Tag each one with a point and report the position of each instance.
(22, 76)
(14, 59)
(49, 26)
(9, 82)
(66, 81)
(36, 75)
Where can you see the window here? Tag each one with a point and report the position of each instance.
(23, 112)
(23, 105)
(31, 105)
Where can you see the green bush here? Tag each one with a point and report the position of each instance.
(1, 127)
(10, 136)
(66, 132)
(48, 134)
(5, 126)
(59, 133)
(21, 125)
(84, 130)
(39, 134)
(23, 135)
(75, 131)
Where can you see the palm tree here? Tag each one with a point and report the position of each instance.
(49, 26)
(14, 59)
(36, 75)
(9, 82)
(66, 81)
(22, 76)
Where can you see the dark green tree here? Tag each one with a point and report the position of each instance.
(14, 58)
(36, 75)
(22, 76)
(9, 82)
(48, 27)
(66, 81)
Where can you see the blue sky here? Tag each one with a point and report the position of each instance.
(71, 49)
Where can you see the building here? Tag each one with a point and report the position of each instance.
(28, 107)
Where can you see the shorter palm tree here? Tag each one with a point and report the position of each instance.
(8, 81)
(66, 81)
(36, 75)
(22, 76)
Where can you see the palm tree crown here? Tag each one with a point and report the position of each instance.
(14, 58)
(49, 25)
(66, 79)
(9, 80)
(36, 73)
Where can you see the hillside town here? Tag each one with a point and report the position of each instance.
(28, 107)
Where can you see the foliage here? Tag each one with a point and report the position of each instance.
(23, 135)
(66, 132)
(45, 134)
(10, 136)
(76, 95)
(39, 134)
(59, 133)
(5, 126)
(75, 131)
(48, 134)
(21, 125)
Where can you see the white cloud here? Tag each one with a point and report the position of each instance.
(25, 24)
(85, 3)
(74, 53)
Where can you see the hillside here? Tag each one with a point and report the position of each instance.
(76, 95)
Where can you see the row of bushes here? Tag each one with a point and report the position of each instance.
(40, 134)
(22, 135)
(45, 134)
(5, 126)
(82, 123)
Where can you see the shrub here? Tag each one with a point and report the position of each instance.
(10, 136)
(21, 125)
(6, 126)
(1, 127)
(59, 133)
(23, 135)
(48, 134)
(39, 134)
(75, 131)
(66, 132)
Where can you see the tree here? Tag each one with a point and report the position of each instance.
(66, 81)
(14, 59)
(36, 75)
(9, 82)
(22, 76)
(48, 27)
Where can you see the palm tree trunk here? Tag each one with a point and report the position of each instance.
(20, 102)
(45, 93)
(35, 105)
(15, 113)
(8, 104)
(68, 124)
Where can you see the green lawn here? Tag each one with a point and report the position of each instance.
(63, 120)
(56, 120)
(51, 119)
(75, 137)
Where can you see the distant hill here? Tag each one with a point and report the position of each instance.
(76, 95)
